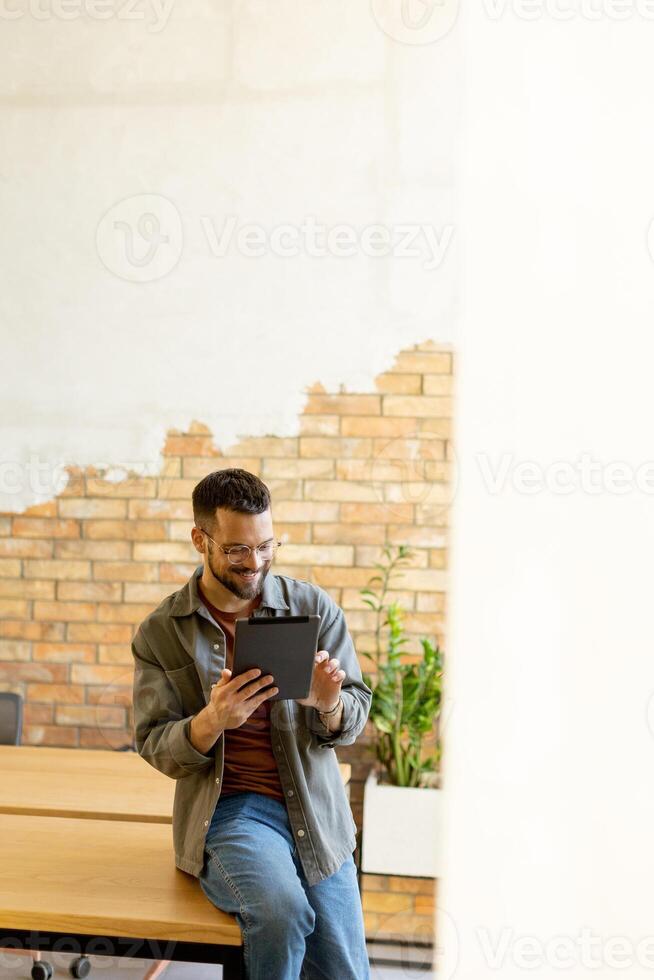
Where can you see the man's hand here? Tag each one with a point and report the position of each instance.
(233, 700)
(325, 683)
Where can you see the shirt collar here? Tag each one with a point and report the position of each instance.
(187, 599)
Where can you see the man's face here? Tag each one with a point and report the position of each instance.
(230, 529)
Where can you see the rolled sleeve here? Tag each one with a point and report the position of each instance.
(357, 696)
(349, 729)
(183, 750)
(161, 732)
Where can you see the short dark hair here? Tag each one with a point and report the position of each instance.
(233, 489)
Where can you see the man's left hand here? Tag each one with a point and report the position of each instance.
(325, 683)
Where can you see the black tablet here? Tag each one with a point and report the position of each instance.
(284, 646)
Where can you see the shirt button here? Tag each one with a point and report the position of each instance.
(206, 823)
(216, 646)
(300, 833)
(290, 792)
(217, 781)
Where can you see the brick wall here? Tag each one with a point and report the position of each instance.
(78, 574)
(399, 908)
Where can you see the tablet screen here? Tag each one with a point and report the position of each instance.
(284, 646)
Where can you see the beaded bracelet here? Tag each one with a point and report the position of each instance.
(334, 709)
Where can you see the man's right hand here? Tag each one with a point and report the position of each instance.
(234, 699)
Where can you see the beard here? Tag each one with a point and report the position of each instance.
(236, 584)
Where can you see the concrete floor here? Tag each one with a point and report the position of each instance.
(106, 968)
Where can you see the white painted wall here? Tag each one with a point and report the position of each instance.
(133, 137)
(550, 754)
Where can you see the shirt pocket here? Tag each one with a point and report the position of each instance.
(185, 681)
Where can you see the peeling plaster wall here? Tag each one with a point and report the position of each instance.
(172, 189)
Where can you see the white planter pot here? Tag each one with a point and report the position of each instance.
(402, 830)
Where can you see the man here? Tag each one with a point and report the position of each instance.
(260, 814)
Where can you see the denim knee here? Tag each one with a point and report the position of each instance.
(283, 911)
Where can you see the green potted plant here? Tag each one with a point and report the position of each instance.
(402, 801)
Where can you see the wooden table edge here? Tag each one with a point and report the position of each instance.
(17, 810)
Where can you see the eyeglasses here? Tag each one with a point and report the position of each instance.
(241, 552)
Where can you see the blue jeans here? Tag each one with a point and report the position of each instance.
(291, 930)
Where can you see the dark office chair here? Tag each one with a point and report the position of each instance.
(11, 718)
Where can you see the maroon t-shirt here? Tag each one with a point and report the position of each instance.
(250, 763)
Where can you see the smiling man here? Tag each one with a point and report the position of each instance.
(260, 816)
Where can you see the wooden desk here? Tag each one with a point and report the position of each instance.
(86, 853)
(88, 783)
(111, 887)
